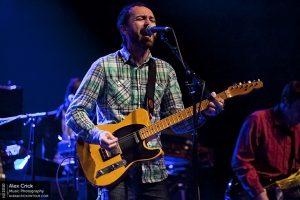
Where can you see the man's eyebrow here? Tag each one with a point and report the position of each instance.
(144, 16)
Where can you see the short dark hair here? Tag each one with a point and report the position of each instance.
(124, 13)
(291, 92)
(124, 16)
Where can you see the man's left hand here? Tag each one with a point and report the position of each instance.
(215, 106)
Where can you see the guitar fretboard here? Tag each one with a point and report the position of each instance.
(176, 118)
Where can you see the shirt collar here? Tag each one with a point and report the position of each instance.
(127, 56)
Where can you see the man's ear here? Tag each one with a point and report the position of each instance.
(123, 29)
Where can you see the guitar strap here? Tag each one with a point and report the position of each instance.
(150, 89)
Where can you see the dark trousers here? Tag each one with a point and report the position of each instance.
(132, 188)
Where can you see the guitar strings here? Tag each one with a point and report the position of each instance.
(126, 137)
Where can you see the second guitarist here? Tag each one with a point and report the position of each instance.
(116, 85)
(268, 147)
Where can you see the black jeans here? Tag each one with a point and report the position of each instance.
(132, 188)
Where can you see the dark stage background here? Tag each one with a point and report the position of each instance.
(45, 43)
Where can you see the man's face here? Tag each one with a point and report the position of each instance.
(134, 30)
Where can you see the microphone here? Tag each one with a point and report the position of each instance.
(156, 29)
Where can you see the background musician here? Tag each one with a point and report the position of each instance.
(268, 147)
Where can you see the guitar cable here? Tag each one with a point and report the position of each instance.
(56, 176)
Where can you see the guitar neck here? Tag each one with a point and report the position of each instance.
(176, 118)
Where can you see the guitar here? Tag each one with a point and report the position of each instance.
(235, 191)
(104, 168)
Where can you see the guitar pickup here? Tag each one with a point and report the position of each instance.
(106, 155)
(110, 168)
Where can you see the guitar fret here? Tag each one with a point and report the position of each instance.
(168, 121)
(159, 126)
(155, 130)
(186, 114)
(142, 133)
(149, 132)
(163, 124)
(173, 119)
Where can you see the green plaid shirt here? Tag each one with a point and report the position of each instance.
(117, 87)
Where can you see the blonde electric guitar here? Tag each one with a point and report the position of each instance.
(104, 168)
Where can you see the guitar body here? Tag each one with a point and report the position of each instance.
(103, 168)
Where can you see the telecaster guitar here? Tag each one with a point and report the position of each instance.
(104, 168)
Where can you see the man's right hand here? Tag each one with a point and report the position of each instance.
(107, 140)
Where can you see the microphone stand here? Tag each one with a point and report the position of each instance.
(76, 172)
(32, 121)
(192, 82)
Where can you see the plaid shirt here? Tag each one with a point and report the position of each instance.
(117, 87)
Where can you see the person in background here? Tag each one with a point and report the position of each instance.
(116, 85)
(268, 147)
(53, 128)
(66, 145)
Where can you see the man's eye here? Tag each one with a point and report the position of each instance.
(152, 20)
(139, 18)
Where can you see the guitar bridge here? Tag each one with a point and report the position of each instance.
(106, 155)
(110, 168)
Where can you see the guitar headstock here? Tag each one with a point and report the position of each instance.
(243, 88)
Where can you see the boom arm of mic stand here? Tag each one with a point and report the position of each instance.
(191, 82)
(190, 74)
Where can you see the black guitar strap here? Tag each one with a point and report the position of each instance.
(151, 87)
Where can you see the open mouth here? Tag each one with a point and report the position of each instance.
(144, 33)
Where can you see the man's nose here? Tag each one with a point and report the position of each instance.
(149, 22)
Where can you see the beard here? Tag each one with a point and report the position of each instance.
(147, 41)
(141, 40)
